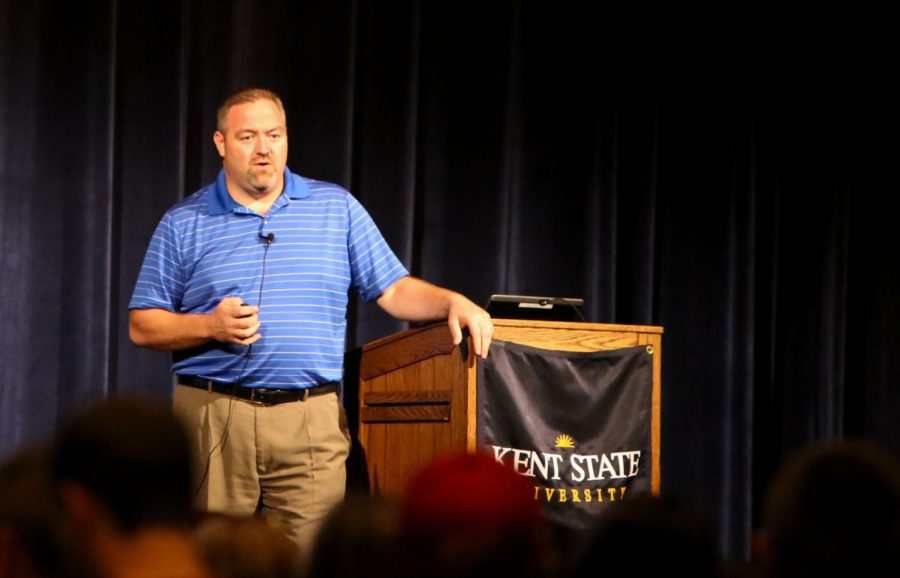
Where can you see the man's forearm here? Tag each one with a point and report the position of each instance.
(230, 322)
(413, 299)
(167, 331)
(416, 300)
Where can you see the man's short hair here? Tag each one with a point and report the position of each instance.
(244, 96)
(134, 458)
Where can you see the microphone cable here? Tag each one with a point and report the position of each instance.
(270, 238)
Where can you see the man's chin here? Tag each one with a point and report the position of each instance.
(262, 183)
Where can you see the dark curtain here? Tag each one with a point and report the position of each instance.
(726, 176)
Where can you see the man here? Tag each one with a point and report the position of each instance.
(246, 281)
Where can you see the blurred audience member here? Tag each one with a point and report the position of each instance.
(31, 544)
(246, 547)
(123, 472)
(833, 511)
(651, 536)
(359, 538)
(467, 515)
(738, 568)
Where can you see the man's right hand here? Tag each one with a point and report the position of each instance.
(232, 321)
(229, 322)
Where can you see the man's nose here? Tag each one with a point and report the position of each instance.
(262, 145)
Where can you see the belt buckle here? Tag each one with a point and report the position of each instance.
(306, 394)
(253, 399)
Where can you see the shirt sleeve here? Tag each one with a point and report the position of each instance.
(160, 284)
(373, 265)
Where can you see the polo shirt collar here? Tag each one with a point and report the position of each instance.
(220, 202)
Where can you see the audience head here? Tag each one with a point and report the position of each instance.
(467, 515)
(654, 536)
(131, 460)
(246, 547)
(31, 542)
(834, 510)
(358, 538)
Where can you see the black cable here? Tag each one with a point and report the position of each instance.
(222, 440)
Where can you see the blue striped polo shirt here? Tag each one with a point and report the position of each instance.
(208, 247)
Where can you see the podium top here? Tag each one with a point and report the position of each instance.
(510, 329)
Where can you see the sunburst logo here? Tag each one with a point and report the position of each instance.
(564, 441)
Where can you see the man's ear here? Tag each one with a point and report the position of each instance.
(219, 139)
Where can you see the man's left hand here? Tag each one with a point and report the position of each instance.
(464, 313)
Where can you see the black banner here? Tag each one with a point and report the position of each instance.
(576, 424)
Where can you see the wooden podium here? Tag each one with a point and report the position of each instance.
(417, 391)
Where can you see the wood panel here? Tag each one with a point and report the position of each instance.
(407, 397)
(412, 404)
(405, 349)
(654, 341)
(406, 413)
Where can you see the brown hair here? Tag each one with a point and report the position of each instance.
(244, 96)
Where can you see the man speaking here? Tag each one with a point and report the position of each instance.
(246, 281)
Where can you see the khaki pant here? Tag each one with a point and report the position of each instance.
(285, 460)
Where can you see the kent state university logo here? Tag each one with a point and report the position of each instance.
(570, 477)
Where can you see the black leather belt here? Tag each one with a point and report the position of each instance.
(260, 395)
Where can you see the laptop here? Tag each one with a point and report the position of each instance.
(535, 308)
